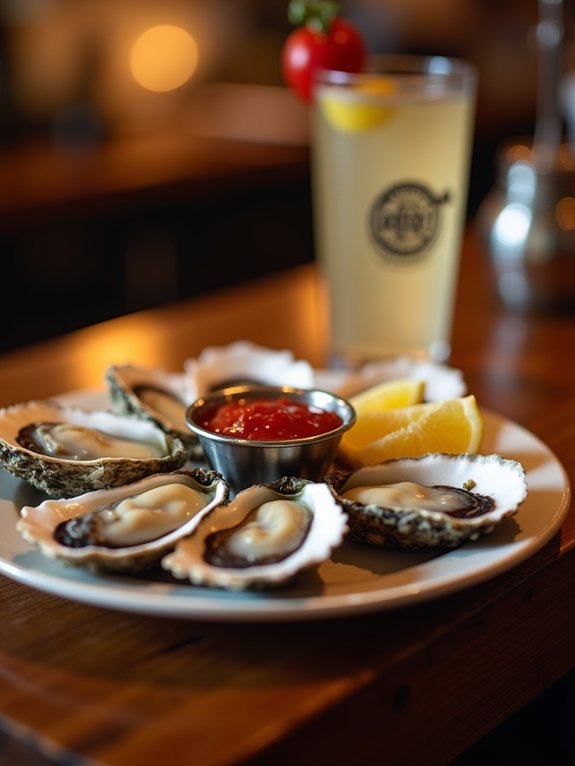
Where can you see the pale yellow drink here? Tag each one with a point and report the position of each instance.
(391, 165)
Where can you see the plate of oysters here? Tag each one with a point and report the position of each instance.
(114, 498)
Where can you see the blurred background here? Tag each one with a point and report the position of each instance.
(150, 152)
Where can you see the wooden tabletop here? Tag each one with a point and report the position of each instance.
(413, 685)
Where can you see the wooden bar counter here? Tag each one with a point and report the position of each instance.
(418, 685)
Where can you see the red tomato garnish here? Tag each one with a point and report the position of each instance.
(325, 41)
(269, 420)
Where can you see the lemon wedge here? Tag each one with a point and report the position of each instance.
(389, 395)
(399, 392)
(452, 426)
(352, 110)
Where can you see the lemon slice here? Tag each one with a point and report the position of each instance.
(400, 392)
(452, 425)
(352, 110)
(388, 395)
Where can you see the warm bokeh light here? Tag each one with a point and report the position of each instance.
(565, 213)
(163, 58)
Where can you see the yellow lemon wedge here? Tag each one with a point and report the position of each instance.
(399, 392)
(452, 425)
(352, 110)
(389, 395)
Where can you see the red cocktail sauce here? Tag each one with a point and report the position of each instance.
(269, 420)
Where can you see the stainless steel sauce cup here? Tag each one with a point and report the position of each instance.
(244, 462)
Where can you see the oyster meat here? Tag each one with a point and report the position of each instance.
(437, 500)
(65, 450)
(124, 528)
(263, 538)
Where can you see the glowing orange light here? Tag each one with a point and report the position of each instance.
(565, 213)
(163, 58)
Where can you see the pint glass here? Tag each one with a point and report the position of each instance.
(391, 156)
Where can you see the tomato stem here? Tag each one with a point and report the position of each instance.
(316, 15)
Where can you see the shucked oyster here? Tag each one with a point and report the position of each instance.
(162, 397)
(243, 363)
(263, 538)
(154, 396)
(124, 528)
(66, 450)
(436, 500)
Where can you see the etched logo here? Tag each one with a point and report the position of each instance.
(404, 219)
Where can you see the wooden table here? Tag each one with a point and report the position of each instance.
(411, 686)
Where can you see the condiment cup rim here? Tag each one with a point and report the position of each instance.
(337, 404)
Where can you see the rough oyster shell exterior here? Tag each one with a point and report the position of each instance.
(66, 477)
(326, 531)
(214, 368)
(125, 382)
(37, 524)
(495, 477)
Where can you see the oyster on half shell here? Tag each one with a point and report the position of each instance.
(154, 396)
(66, 450)
(125, 528)
(163, 397)
(244, 362)
(437, 500)
(263, 538)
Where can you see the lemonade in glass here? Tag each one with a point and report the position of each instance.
(391, 156)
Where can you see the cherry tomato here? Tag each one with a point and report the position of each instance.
(324, 41)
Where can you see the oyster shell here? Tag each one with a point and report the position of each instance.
(244, 362)
(162, 397)
(263, 538)
(125, 528)
(441, 382)
(65, 450)
(152, 395)
(473, 494)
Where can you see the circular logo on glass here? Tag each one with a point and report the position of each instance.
(404, 219)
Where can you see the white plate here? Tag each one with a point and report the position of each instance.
(357, 579)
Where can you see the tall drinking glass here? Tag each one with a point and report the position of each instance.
(391, 157)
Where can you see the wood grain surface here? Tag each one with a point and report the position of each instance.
(82, 684)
